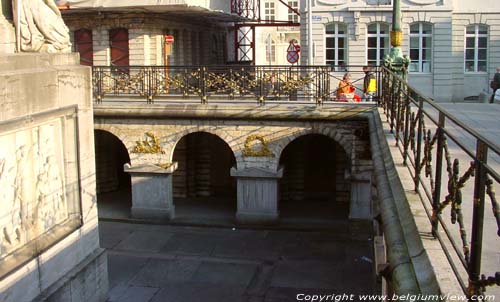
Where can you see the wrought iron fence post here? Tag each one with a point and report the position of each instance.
(407, 118)
(393, 102)
(477, 219)
(398, 108)
(420, 116)
(232, 91)
(97, 74)
(326, 91)
(386, 91)
(436, 195)
(203, 85)
(388, 95)
(149, 84)
(260, 78)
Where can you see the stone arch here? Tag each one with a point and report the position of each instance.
(338, 137)
(315, 181)
(129, 145)
(204, 163)
(110, 156)
(226, 138)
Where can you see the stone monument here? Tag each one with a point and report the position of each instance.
(8, 41)
(49, 244)
(40, 27)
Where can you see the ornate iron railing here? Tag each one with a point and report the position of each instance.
(260, 83)
(432, 143)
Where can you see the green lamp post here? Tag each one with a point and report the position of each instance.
(396, 61)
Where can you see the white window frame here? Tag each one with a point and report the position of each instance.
(269, 11)
(271, 54)
(336, 36)
(377, 35)
(292, 16)
(420, 35)
(476, 35)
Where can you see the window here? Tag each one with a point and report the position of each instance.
(118, 40)
(270, 51)
(292, 16)
(83, 45)
(378, 43)
(336, 38)
(476, 48)
(420, 47)
(269, 11)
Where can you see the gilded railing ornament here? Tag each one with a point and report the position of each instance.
(150, 145)
(165, 165)
(261, 151)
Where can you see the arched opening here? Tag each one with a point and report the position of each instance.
(114, 198)
(203, 188)
(313, 186)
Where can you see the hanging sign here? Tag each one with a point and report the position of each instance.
(292, 53)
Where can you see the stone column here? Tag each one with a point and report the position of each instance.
(187, 48)
(195, 52)
(181, 56)
(257, 195)
(151, 188)
(361, 196)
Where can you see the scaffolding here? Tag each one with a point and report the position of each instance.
(244, 32)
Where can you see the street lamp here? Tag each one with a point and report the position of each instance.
(396, 61)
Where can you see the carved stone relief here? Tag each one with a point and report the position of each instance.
(32, 178)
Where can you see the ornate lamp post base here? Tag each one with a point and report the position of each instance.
(395, 60)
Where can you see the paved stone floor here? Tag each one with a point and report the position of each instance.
(178, 263)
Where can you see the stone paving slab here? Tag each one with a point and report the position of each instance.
(122, 268)
(200, 292)
(173, 263)
(138, 294)
(225, 273)
(159, 273)
(144, 241)
(113, 236)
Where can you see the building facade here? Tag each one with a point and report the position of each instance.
(454, 45)
(134, 34)
(272, 42)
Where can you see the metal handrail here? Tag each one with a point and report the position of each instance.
(423, 147)
(230, 82)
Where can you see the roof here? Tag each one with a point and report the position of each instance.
(169, 7)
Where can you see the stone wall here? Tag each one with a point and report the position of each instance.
(47, 177)
(194, 39)
(235, 133)
(446, 80)
(257, 147)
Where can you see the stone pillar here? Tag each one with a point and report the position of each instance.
(361, 196)
(181, 56)
(187, 48)
(195, 52)
(257, 195)
(151, 190)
